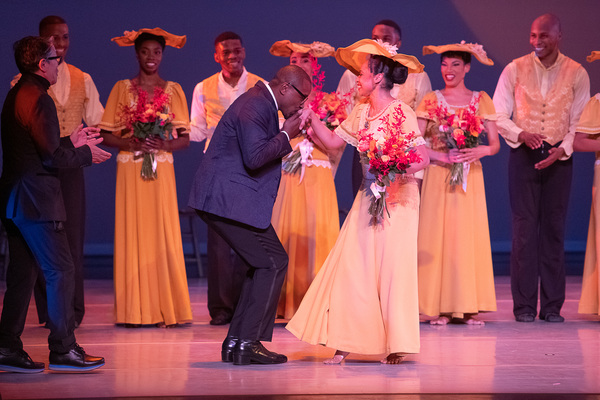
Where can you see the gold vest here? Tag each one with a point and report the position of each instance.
(212, 104)
(549, 115)
(71, 113)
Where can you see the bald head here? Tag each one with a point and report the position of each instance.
(292, 74)
(545, 37)
(549, 21)
(291, 87)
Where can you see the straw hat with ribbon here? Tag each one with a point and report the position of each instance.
(355, 55)
(594, 56)
(285, 48)
(128, 38)
(473, 48)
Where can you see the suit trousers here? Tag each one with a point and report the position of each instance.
(35, 246)
(266, 262)
(225, 276)
(72, 185)
(539, 201)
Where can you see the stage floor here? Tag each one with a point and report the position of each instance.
(456, 361)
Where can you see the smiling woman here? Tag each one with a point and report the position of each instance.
(146, 118)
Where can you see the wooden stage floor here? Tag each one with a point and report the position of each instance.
(504, 359)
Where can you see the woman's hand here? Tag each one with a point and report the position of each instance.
(153, 145)
(455, 156)
(474, 154)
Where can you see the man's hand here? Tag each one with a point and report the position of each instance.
(80, 136)
(292, 125)
(532, 140)
(98, 155)
(553, 154)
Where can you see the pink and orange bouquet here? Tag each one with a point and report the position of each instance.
(388, 152)
(149, 119)
(462, 130)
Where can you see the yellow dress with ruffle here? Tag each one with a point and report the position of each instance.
(149, 268)
(364, 299)
(589, 301)
(456, 275)
(305, 217)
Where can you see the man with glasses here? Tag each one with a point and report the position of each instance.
(33, 211)
(76, 99)
(234, 191)
(211, 98)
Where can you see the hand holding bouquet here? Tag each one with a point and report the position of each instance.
(388, 152)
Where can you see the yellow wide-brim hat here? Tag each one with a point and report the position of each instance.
(355, 55)
(594, 56)
(473, 48)
(128, 38)
(285, 48)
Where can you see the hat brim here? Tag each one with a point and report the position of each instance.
(355, 55)
(128, 39)
(285, 48)
(482, 58)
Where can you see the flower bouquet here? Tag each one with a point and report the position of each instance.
(462, 130)
(149, 119)
(388, 152)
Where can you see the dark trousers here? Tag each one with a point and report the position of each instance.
(266, 262)
(35, 246)
(72, 185)
(539, 202)
(225, 276)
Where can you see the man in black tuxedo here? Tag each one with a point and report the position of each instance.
(234, 191)
(33, 212)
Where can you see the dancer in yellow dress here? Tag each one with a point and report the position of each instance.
(587, 138)
(364, 299)
(149, 268)
(456, 277)
(305, 214)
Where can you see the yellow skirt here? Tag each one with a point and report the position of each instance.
(149, 267)
(364, 299)
(305, 217)
(590, 295)
(456, 275)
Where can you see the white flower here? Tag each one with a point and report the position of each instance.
(390, 48)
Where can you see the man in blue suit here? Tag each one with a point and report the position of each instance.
(234, 191)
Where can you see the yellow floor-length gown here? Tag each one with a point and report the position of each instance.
(149, 268)
(456, 274)
(590, 288)
(305, 217)
(364, 299)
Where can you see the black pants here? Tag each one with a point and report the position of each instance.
(225, 276)
(539, 202)
(34, 246)
(72, 185)
(266, 262)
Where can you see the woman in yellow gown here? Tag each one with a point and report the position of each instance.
(587, 138)
(149, 268)
(456, 277)
(364, 299)
(305, 214)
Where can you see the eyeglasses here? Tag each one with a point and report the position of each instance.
(304, 97)
(58, 58)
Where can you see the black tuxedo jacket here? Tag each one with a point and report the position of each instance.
(239, 175)
(32, 153)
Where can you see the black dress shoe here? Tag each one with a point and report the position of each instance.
(227, 348)
(526, 317)
(18, 361)
(220, 320)
(74, 360)
(252, 351)
(553, 317)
